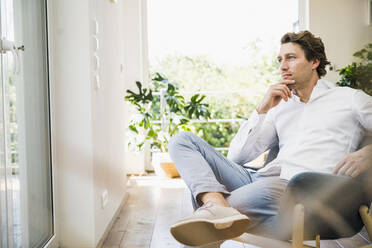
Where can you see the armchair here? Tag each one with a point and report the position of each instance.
(319, 205)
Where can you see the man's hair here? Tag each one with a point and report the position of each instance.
(312, 46)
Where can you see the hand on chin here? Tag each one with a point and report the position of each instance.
(290, 86)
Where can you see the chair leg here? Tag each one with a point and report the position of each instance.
(298, 226)
(317, 241)
(367, 219)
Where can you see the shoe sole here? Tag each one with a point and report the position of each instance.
(199, 232)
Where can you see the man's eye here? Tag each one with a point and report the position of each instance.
(291, 57)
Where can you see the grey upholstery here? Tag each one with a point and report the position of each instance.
(331, 201)
(366, 141)
(273, 153)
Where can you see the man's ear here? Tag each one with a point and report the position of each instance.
(316, 63)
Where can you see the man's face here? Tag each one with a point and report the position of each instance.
(295, 66)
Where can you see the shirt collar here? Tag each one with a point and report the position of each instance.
(321, 86)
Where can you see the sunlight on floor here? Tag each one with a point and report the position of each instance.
(162, 182)
(160, 188)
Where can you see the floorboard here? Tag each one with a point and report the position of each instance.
(169, 210)
(154, 204)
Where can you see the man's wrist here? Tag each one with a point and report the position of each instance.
(367, 150)
(260, 111)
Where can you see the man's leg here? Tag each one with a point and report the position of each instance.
(204, 169)
(260, 201)
(210, 177)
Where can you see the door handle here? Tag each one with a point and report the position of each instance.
(9, 46)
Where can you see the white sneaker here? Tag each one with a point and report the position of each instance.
(210, 224)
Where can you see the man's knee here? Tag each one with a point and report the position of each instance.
(180, 139)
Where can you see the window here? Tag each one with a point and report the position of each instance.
(225, 50)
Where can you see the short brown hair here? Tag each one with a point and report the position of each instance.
(312, 46)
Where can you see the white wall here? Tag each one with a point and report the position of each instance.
(88, 129)
(135, 66)
(72, 129)
(108, 114)
(342, 25)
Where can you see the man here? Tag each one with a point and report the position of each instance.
(317, 127)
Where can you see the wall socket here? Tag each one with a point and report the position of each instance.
(104, 198)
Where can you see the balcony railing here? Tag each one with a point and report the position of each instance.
(162, 121)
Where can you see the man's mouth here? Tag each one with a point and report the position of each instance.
(286, 76)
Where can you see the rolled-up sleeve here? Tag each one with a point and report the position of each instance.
(255, 136)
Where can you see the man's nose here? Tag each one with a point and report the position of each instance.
(283, 66)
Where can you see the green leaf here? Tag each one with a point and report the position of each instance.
(201, 99)
(133, 128)
(151, 133)
(194, 97)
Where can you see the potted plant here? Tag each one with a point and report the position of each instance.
(358, 75)
(161, 112)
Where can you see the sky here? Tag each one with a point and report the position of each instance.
(218, 29)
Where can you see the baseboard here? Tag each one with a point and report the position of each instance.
(111, 224)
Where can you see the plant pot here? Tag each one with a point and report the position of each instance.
(169, 169)
(163, 165)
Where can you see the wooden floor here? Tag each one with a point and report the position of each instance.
(154, 204)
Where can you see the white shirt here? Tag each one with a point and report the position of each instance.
(312, 136)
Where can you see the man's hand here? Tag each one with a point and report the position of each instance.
(274, 95)
(355, 163)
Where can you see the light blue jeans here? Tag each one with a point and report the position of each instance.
(204, 169)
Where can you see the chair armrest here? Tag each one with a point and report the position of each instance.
(331, 204)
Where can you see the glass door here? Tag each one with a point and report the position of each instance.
(6, 199)
(3, 173)
(26, 200)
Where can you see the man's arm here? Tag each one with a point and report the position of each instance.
(255, 136)
(355, 163)
(258, 134)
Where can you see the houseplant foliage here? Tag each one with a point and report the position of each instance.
(358, 75)
(156, 123)
(250, 79)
